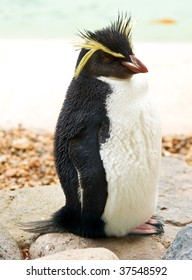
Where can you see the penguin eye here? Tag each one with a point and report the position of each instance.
(106, 58)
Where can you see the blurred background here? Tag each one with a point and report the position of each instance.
(165, 20)
(37, 55)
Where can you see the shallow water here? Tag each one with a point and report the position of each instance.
(165, 20)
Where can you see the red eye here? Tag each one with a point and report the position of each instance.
(106, 59)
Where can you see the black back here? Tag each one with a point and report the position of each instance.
(81, 128)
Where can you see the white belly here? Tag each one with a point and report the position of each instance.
(131, 156)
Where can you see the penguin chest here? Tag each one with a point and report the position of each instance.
(131, 158)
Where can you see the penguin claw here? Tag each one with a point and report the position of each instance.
(155, 223)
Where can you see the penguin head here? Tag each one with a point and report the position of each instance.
(109, 52)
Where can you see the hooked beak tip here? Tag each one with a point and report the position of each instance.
(135, 65)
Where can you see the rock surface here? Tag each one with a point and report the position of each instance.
(29, 204)
(124, 248)
(175, 195)
(181, 248)
(83, 254)
(9, 249)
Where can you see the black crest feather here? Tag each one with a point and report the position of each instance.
(121, 27)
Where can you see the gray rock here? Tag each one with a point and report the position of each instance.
(181, 248)
(26, 205)
(124, 248)
(9, 249)
(83, 254)
(174, 205)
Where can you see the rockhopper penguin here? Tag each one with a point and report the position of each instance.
(107, 144)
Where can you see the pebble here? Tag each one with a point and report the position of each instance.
(22, 144)
(10, 172)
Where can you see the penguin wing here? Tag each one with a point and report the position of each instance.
(69, 124)
(70, 131)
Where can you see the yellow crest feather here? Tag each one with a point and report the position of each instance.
(83, 62)
(92, 46)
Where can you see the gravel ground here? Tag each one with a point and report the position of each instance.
(26, 156)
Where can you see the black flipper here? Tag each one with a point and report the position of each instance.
(84, 153)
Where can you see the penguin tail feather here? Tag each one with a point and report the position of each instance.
(40, 227)
(68, 220)
(61, 221)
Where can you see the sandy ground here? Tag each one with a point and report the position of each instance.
(34, 76)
